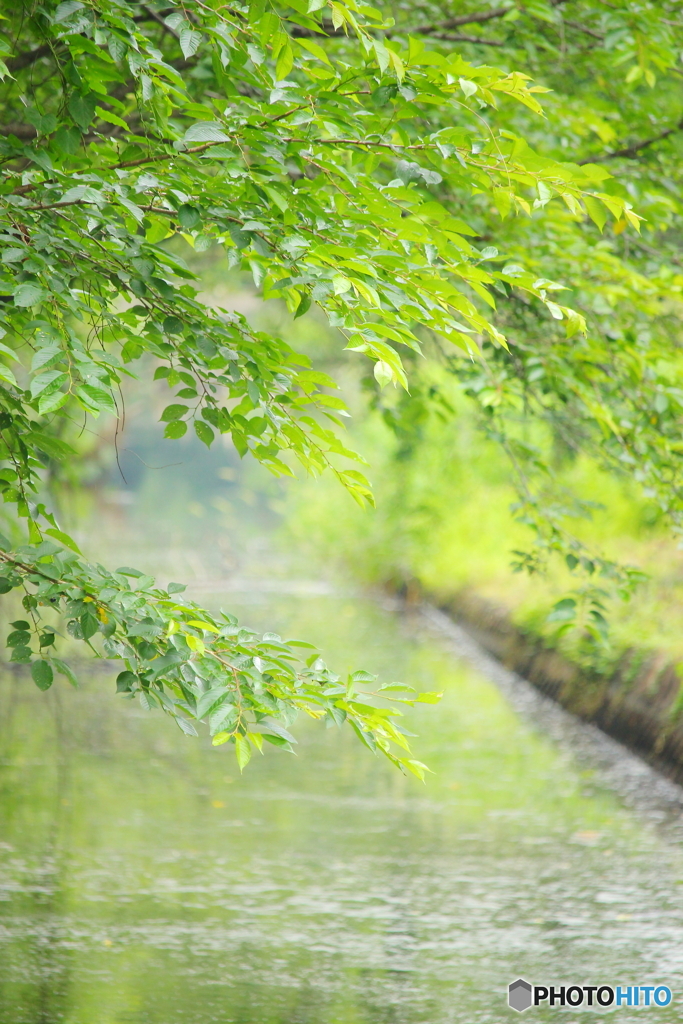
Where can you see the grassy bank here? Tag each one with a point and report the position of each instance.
(443, 519)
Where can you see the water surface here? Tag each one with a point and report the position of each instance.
(143, 881)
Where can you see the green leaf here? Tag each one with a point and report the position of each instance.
(428, 698)
(125, 682)
(186, 726)
(28, 294)
(66, 671)
(210, 700)
(190, 41)
(111, 118)
(52, 379)
(242, 751)
(172, 325)
(96, 398)
(82, 108)
(66, 9)
(42, 674)
(175, 429)
(189, 217)
(51, 401)
(21, 655)
(279, 742)
(206, 131)
(383, 373)
(285, 62)
(220, 738)
(89, 624)
(278, 730)
(63, 538)
(416, 767)
(596, 211)
(173, 412)
(204, 432)
(19, 638)
(67, 140)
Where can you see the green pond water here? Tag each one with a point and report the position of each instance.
(143, 881)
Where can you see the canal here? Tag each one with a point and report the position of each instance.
(144, 881)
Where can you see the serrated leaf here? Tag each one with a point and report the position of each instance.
(52, 379)
(82, 193)
(50, 402)
(66, 9)
(96, 398)
(190, 41)
(383, 373)
(186, 726)
(278, 730)
(29, 294)
(285, 62)
(210, 700)
(206, 131)
(242, 751)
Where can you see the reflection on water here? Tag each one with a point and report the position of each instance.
(143, 881)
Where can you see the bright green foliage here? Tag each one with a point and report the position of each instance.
(615, 394)
(346, 163)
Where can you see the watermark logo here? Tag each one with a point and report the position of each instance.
(522, 995)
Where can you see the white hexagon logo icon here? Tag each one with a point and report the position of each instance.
(519, 995)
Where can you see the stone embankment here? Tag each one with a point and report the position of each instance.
(640, 703)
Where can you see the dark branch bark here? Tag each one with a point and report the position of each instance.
(298, 31)
(22, 131)
(24, 60)
(630, 152)
(160, 21)
(446, 37)
(584, 28)
(462, 19)
(328, 29)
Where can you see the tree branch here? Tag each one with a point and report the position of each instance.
(584, 28)
(462, 19)
(447, 38)
(26, 132)
(632, 151)
(24, 60)
(300, 32)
